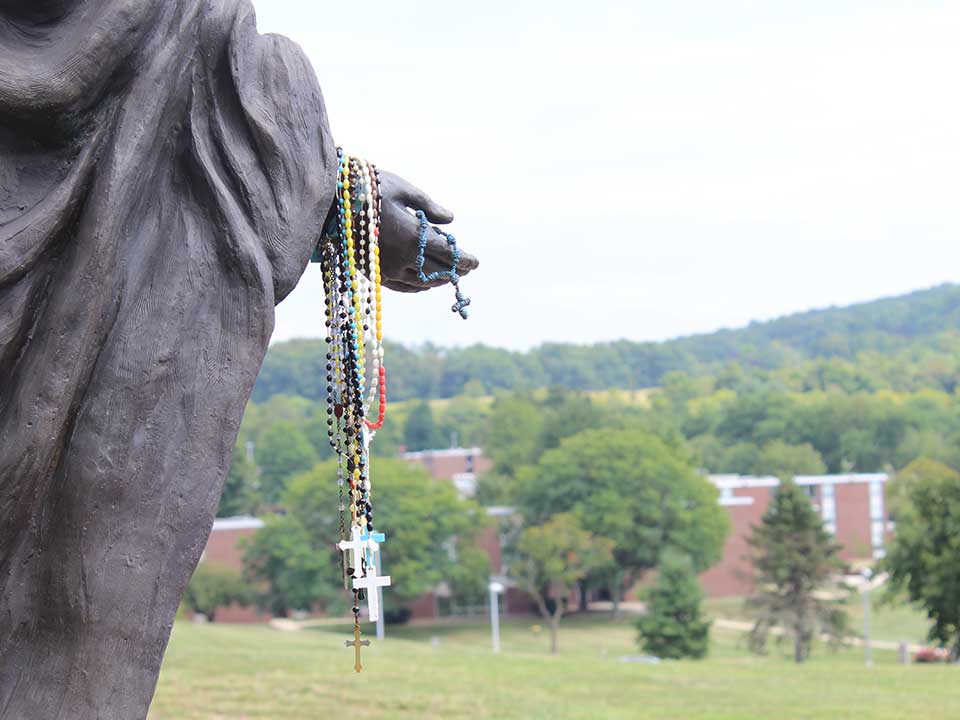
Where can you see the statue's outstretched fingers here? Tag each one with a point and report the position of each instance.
(415, 198)
(438, 256)
(467, 263)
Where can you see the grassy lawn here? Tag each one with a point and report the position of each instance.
(447, 671)
(896, 623)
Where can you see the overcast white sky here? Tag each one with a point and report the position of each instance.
(649, 169)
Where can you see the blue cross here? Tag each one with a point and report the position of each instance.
(377, 537)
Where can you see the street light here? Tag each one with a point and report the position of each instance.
(496, 588)
(868, 651)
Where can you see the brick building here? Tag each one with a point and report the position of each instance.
(853, 508)
(462, 466)
(224, 549)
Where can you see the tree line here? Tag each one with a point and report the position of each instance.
(904, 344)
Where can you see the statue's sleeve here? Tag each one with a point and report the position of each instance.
(263, 142)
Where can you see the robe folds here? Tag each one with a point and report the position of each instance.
(165, 172)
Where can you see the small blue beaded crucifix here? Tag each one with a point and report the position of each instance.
(460, 306)
(372, 541)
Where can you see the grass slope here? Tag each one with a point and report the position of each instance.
(234, 672)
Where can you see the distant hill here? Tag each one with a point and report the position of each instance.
(908, 324)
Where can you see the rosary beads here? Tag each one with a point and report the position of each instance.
(350, 265)
(349, 256)
(460, 306)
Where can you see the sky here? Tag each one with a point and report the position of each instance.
(648, 169)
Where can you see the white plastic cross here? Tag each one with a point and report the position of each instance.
(356, 545)
(370, 583)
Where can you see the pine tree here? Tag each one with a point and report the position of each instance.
(794, 558)
(673, 626)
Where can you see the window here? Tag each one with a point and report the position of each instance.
(828, 509)
(876, 501)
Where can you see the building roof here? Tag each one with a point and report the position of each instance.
(448, 452)
(735, 482)
(243, 522)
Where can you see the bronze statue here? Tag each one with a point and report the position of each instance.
(165, 173)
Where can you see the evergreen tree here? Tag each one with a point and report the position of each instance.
(794, 558)
(673, 626)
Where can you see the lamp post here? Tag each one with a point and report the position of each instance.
(868, 651)
(496, 588)
(379, 591)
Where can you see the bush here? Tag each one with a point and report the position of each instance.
(673, 626)
(215, 586)
(397, 616)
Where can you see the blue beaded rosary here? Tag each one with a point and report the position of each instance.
(452, 275)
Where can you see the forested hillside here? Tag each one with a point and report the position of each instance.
(902, 343)
(865, 388)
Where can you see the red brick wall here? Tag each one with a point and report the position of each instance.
(517, 602)
(489, 542)
(222, 548)
(444, 464)
(424, 607)
(731, 576)
(853, 520)
(239, 614)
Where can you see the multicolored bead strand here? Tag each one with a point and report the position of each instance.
(349, 253)
(350, 263)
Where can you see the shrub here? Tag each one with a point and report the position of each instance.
(215, 586)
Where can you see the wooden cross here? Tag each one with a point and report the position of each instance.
(356, 545)
(370, 583)
(356, 643)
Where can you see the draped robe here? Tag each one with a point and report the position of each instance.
(164, 174)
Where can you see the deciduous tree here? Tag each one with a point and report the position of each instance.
(924, 558)
(633, 488)
(552, 558)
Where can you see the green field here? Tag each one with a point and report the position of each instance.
(448, 671)
(898, 623)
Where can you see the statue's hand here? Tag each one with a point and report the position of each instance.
(400, 237)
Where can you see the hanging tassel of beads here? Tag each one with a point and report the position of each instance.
(349, 256)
